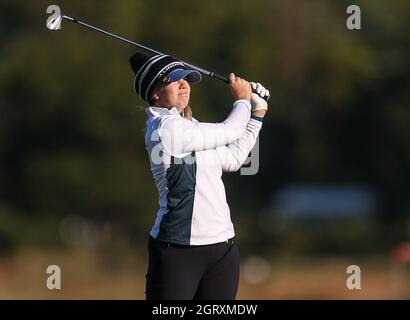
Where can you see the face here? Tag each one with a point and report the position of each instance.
(174, 94)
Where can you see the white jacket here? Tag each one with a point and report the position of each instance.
(187, 160)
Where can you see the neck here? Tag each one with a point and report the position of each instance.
(180, 110)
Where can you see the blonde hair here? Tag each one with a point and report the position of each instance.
(187, 113)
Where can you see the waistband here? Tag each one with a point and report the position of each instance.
(169, 244)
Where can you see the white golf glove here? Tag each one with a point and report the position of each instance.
(257, 102)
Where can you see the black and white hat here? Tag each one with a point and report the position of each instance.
(151, 71)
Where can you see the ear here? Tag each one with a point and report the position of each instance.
(155, 96)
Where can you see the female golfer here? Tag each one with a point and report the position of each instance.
(191, 248)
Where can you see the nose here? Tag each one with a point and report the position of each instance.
(183, 83)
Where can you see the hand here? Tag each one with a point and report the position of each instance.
(257, 102)
(260, 90)
(240, 88)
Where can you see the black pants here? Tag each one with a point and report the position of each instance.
(192, 272)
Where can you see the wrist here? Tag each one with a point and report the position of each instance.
(242, 98)
(259, 113)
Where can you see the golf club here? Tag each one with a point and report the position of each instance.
(55, 24)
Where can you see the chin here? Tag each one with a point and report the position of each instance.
(182, 106)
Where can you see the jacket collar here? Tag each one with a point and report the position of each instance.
(158, 111)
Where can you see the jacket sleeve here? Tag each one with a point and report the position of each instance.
(179, 135)
(233, 155)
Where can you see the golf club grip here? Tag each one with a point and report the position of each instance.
(217, 76)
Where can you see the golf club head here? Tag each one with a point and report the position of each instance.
(55, 23)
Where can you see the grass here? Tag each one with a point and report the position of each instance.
(120, 274)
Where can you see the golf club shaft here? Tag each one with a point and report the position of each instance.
(203, 71)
